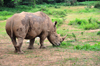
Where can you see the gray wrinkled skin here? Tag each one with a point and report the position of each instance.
(29, 26)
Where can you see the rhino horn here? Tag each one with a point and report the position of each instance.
(64, 37)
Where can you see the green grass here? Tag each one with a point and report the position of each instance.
(65, 44)
(87, 3)
(2, 28)
(95, 47)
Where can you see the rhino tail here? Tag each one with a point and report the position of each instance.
(12, 30)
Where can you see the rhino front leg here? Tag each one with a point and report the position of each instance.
(18, 46)
(42, 38)
(31, 46)
(42, 43)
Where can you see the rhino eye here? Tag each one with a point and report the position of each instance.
(56, 36)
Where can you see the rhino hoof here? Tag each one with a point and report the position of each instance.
(20, 52)
(30, 48)
(42, 47)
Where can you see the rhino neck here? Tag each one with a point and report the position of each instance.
(49, 39)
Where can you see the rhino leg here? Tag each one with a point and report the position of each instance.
(42, 38)
(31, 44)
(18, 46)
(42, 43)
(14, 43)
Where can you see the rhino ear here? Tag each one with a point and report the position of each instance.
(55, 23)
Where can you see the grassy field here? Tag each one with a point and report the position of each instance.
(80, 48)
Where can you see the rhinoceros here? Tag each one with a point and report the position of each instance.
(26, 25)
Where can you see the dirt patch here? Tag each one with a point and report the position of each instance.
(3, 21)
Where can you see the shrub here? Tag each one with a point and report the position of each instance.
(91, 26)
(78, 22)
(98, 33)
(95, 47)
(5, 13)
(97, 5)
(59, 13)
(43, 9)
(70, 2)
(91, 23)
(57, 6)
(24, 7)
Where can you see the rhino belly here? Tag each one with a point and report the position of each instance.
(32, 34)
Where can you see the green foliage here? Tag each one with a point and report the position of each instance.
(5, 13)
(97, 5)
(91, 23)
(98, 33)
(78, 22)
(87, 3)
(70, 2)
(86, 10)
(43, 8)
(95, 47)
(24, 7)
(64, 44)
(55, 13)
(59, 13)
(74, 36)
(59, 21)
(57, 6)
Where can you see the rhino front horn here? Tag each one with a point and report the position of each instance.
(64, 37)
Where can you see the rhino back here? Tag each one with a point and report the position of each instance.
(38, 24)
(32, 24)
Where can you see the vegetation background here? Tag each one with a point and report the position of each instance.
(79, 19)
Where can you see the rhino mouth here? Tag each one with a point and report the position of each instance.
(55, 44)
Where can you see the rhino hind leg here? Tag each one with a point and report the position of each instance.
(14, 43)
(31, 46)
(18, 46)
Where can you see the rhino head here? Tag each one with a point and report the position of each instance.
(55, 38)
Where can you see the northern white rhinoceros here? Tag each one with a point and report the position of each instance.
(29, 26)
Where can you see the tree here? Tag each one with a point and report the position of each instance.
(8, 3)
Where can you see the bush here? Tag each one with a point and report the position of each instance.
(97, 5)
(43, 9)
(59, 13)
(24, 7)
(91, 23)
(57, 6)
(98, 33)
(78, 22)
(5, 13)
(70, 2)
(95, 47)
